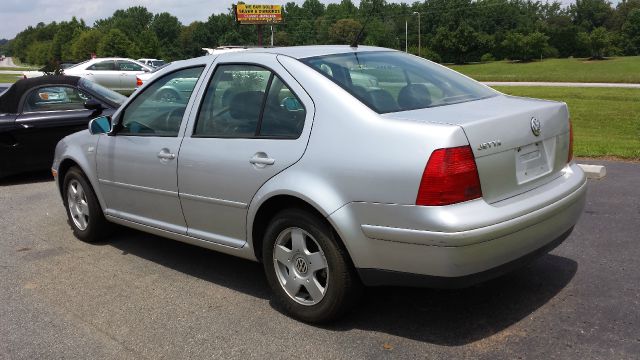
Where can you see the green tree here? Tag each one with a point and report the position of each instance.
(459, 44)
(85, 44)
(167, 29)
(115, 43)
(590, 14)
(536, 44)
(344, 31)
(63, 38)
(146, 46)
(631, 31)
(513, 46)
(599, 41)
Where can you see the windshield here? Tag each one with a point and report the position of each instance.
(107, 94)
(78, 64)
(157, 63)
(390, 81)
(160, 67)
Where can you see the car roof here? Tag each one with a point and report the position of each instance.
(297, 52)
(11, 97)
(306, 51)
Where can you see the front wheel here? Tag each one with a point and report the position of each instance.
(308, 270)
(83, 210)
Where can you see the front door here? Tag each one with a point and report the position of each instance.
(137, 167)
(252, 124)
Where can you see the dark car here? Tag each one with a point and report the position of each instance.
(36, 113)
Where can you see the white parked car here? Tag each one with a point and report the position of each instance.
(154, 63)
(118, 74)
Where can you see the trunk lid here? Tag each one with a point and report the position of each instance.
(510, 157)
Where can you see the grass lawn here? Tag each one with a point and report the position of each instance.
(8, 78)
(16, 68)
(606, 121)
(615, 70)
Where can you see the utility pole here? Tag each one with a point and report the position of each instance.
(419, 47)
(271, 35)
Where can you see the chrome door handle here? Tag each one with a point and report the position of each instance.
(26, 126)
(262, 159)
(166, 155)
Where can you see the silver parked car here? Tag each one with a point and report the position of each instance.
(420, 176)
(117, 74)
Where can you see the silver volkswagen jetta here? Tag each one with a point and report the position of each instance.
(333, 166)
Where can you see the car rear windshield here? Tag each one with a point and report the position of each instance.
(391, 81)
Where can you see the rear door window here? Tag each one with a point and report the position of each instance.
(244, 101)
(129, 66)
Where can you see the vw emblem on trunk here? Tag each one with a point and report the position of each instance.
(301, 265)
(535, 126)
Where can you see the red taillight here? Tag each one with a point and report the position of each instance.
(138, 82)
(450, 177)
(570, 142)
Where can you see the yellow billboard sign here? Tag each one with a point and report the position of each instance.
(258, 14)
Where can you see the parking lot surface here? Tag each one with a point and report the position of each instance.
(140, 296)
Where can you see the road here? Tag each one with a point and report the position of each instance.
(562, 84)
(138, 296)
(7, 62)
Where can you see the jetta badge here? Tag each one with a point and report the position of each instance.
(535, 126)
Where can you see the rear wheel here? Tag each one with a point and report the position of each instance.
(83, 210)
(308, 270)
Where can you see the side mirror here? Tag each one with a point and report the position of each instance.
(93, 104)
(100, 125)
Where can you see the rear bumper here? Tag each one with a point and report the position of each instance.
(463, 243)
(378, 277)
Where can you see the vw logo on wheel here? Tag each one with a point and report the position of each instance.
(301, 265)
(535, 126)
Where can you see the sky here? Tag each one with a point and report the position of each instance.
(16, 15)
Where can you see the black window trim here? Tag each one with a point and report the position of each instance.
(117, 128)
(264, 100)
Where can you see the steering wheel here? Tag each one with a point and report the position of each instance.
(168, 125)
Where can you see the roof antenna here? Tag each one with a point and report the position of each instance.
(355, 42)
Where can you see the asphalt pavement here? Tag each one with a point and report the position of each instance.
(140, 296)
(7, 62)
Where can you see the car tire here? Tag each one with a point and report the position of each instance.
(83, 209)
(313, 280)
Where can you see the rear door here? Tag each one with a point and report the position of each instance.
(253, 122)
(128, 71)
